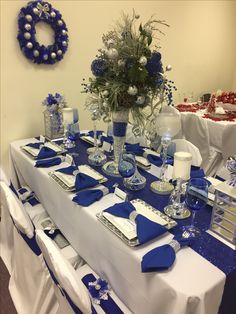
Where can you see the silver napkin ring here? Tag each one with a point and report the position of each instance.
(133, 215)
(175, 245)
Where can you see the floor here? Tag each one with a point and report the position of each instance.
(6, 304)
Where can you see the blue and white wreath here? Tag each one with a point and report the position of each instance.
(29, 16)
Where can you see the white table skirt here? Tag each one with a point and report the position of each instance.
(215, 129)
(194, 285)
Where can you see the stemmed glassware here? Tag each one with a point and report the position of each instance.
(168, 125)
(196, 199)
(127, 168)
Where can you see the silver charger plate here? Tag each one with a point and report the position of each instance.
(134, 242)
(61, 150)
(67, 188)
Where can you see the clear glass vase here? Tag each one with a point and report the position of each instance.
(120, 121)
(53, 124)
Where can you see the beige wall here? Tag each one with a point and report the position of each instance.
(200, 45)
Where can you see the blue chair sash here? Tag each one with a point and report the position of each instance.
(109, 306)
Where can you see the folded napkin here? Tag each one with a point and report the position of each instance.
(135, 149)
(91, 133)
(35, 145)
(26, 195)
(88, 197)
(157, 161)
(196, 172)
(108, 139)
(45, 163)
(145, 228)
(46, 152)
(82, 180)
(163, 257)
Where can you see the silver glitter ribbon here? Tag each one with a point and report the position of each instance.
(43, 9)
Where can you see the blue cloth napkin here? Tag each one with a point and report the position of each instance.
(196, 172)
(91, 133)
(82, 180)
(35, 145)
(157, 161)
(88, 197)
(162, 257)
(108, 139)
(135, 149)
(146, 229)
(45, 163)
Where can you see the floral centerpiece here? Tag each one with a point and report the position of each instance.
(129, 76)
(53, 116)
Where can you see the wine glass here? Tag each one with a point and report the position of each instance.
(196, 199)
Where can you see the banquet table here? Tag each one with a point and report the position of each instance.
(215, 128)
(199, 280)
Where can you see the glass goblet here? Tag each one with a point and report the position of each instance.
(196, 199)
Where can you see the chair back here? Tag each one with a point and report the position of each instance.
(183, 145)
(19, 216)
(229, 141)
(195, 130)
(64, 277)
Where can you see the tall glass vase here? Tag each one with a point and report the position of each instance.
(120, 121)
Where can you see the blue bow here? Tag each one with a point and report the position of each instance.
(45, 163)
(82, 180)
(145, 228)
(196, 172)
(162, 257)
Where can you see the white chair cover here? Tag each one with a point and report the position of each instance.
(70, 279)
(183, 145)
(30, 286)
(195, 130)
(6, 229)
(229, 141)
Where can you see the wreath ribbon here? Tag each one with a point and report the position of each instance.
(43, 9)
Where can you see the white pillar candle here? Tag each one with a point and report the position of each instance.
(68, 116)
(182, 165)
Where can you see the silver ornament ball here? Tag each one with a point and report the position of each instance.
(36, 11)
(112, 53)
(29, 45)
(140, 100)
(45, 57)
(27, 26)
(132, 90)
(53, 55)
(59, 22)
(64, 43)
(105, 93)
(28, 17)
(64, 32)
(36, 53)
(59, 52)
(143, 60)
(53, 14)
(168, 67)
(121, 63)
(27, 35)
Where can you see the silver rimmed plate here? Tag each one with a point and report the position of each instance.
(89, 139)
(33, 152)
(125, 229)
(67, 182)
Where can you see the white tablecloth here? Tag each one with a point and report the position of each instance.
(193, 285)
(215, 128)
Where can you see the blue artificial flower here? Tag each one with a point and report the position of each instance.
(154, 65)
(51, 100)
(98, 67)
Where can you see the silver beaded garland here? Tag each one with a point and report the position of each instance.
(53, 55)
(27, 35)
(28, 17)
(36, 53)
(59, 22)
(29, 45)
(59, 52)
(27, 26)
(53, 14)
(64, 43)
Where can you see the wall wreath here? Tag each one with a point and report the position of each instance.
(29, 16)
